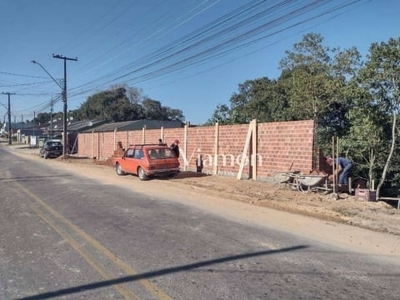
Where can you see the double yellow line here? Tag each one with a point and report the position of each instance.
(50, 216)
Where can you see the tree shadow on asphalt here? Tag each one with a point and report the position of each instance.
(33, 178)
(157, 273)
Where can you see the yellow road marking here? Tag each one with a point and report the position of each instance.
(121, 264)
(95, 265)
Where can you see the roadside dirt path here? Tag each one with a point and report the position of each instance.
(348, 223)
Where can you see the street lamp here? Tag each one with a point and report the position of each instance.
(4, 106)
(64, 94)
(35, 62)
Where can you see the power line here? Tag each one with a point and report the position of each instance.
(241, 27)
(174, 55)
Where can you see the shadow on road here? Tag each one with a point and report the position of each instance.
(147, 275)
(189, 174)
(33, 178)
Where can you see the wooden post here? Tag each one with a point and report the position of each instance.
(144, 134)
(92, 143)
(349, 186)
(185, 136)
(245, 150)
(333, 166)
(216, 143)
(115, 139)
(254, 150)
(101, 148)
(98, 146)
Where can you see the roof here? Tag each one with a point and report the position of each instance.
(17, 126)
(77, 126)
(136, 125)
(84, 125)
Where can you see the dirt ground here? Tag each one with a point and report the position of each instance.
(379, 216)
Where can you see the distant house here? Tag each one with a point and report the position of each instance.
(20, 130)
(55, 130)
(56, 127)
(26, 127)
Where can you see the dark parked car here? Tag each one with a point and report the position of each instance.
(51, 149)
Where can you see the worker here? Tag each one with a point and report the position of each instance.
(175, 148)
(342, 168)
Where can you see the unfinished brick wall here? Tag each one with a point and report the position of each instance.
(281, 146)
(285, 146)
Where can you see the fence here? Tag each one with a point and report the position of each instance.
(276, 146)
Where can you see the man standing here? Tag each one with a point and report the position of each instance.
(175, 148)
(343, 167)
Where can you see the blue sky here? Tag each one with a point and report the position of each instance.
(187, 54)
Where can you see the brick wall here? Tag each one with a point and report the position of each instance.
(281, 146)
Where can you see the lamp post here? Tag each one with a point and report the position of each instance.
(40, 65)
(64, 95)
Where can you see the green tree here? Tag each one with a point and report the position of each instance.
(112, 105)
(221, 115)
(316, 82)
(380, 76)
(365, 141)
(124, 104)
(172, 114)
(42, 118)
(259, 99)
(262, 99)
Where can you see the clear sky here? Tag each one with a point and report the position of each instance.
(187, 54)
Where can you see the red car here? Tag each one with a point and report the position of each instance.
(147, 160)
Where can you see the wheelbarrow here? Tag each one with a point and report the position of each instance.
(308, 183)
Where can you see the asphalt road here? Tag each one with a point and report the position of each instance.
(65, 236)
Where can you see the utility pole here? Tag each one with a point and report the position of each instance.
(9, 118)
(64, 95)
(33, 124)
(51, 118)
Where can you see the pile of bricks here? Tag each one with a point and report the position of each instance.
(118, 152)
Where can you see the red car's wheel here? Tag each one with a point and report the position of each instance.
(142, 174)
(119, 170)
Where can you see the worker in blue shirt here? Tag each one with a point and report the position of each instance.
(342, 167)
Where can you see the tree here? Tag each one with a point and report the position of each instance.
(380, 76)
(42, 118)
(259, 99)
(221, 115)
(263, 99)
(172, 114)
(112, 105)
(315, 79)
(366, 138)
(121, 103)
(152, 109)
